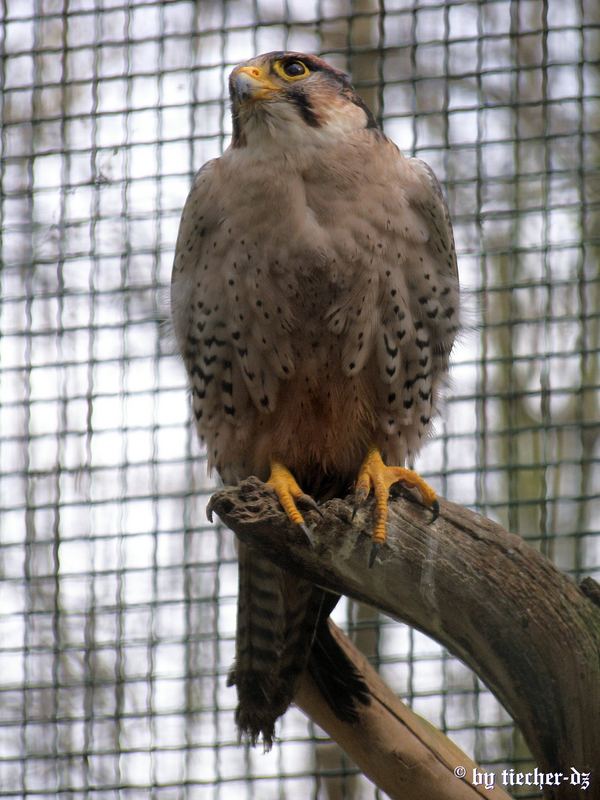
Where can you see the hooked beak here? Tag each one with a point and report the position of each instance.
(251, 83)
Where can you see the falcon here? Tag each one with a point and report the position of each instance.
(315, 302)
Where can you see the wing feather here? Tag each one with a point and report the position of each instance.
(418, 307)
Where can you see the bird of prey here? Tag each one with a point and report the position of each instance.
(315, 302)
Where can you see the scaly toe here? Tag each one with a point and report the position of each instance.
(287, 490)
(435, 511)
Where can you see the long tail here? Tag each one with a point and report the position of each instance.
(273, 641)
(283, 628)
(260, 635)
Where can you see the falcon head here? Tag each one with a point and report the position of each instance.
(294, 98)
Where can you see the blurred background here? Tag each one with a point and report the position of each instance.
(117, 598)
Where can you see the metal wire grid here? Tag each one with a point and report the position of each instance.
(117, 598)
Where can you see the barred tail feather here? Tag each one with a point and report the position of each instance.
(301, 618)
(259, 642)
(282, 628)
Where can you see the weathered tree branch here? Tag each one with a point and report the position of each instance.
(404, 755)
(529, 632)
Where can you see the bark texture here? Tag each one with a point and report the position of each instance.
(529, 632)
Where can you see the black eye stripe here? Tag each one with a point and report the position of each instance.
(302, 103)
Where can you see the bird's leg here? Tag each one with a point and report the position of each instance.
(376, 475)
(288, 491)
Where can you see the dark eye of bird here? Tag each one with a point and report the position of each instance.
(294, 69)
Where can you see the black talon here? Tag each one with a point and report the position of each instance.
(356, 508)
(435, 511)
(307, 532)
(375, 548)
(359, 500)
(307, 500)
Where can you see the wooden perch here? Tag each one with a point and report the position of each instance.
(404, 755)
(529, 632)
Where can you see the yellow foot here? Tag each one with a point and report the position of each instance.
(376, 475)
(288, 492)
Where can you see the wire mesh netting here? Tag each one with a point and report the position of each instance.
(117, 598)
